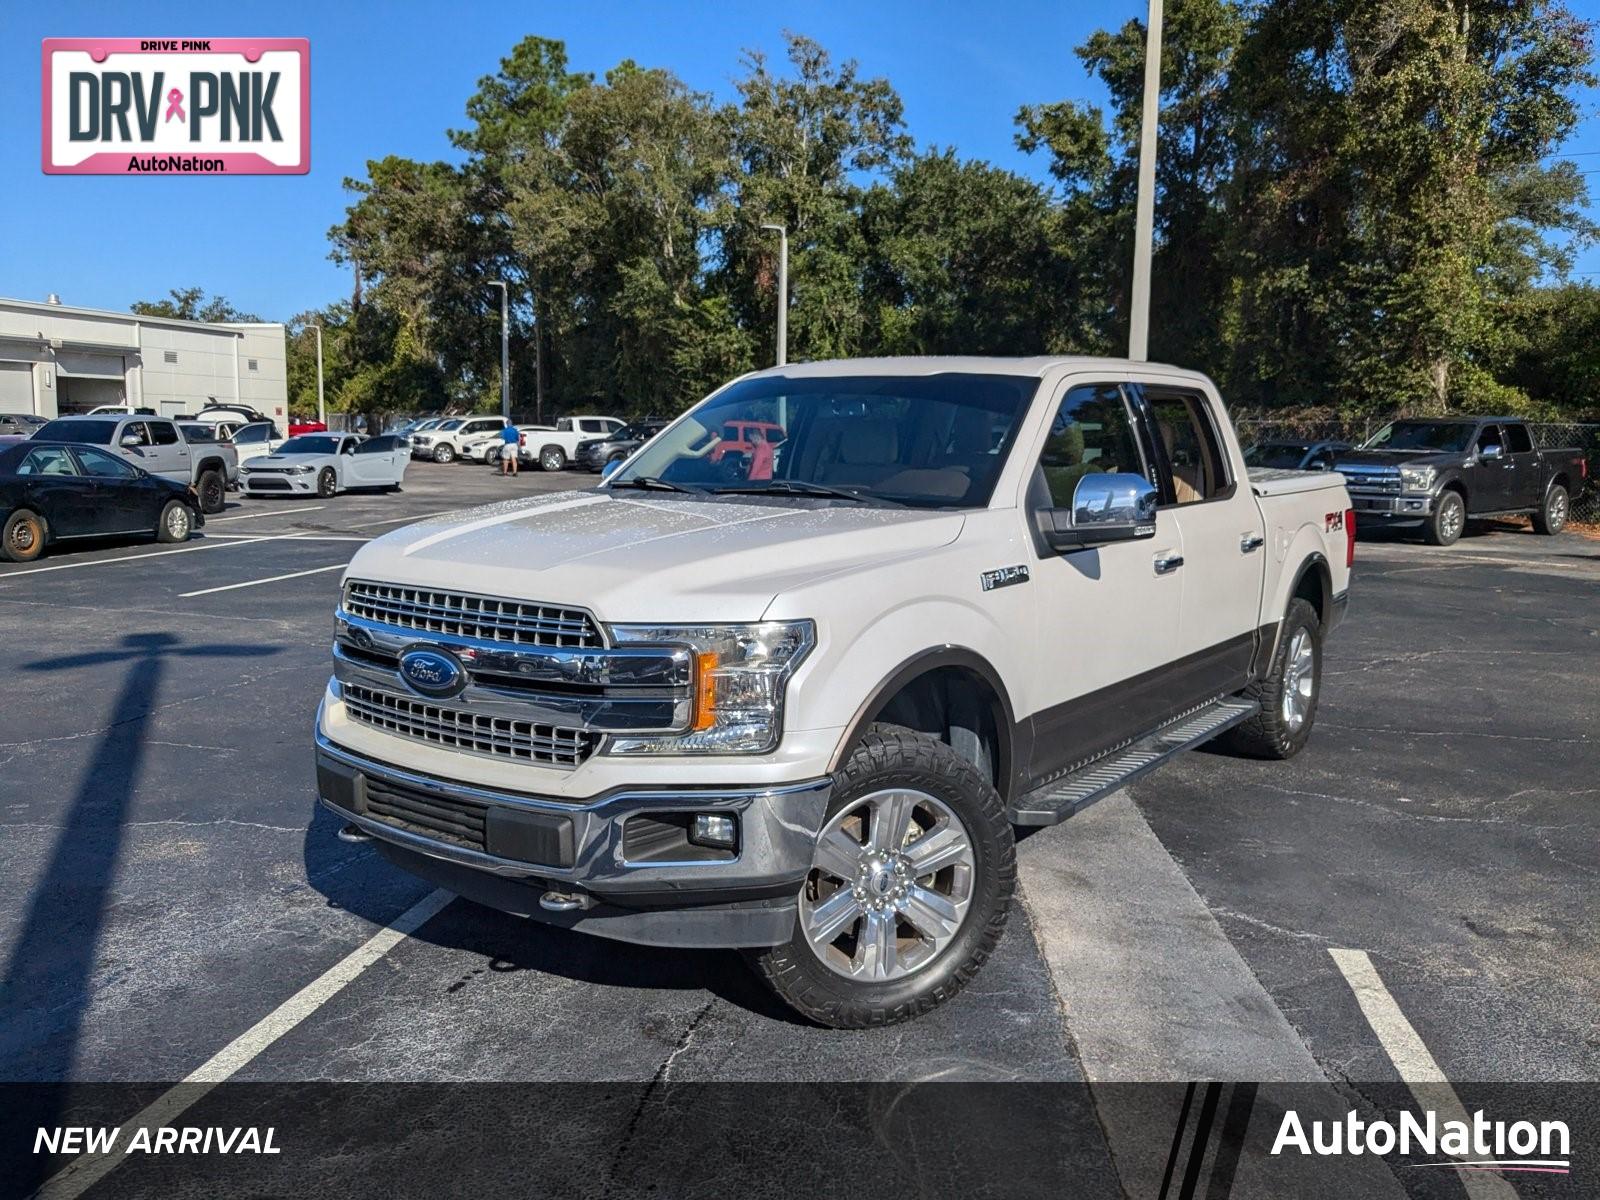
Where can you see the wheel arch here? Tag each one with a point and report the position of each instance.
(919, 693)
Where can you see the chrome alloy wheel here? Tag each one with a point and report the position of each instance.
(1299, 679)
(178, 522)
(1451, 519)
(1558, 511)
(890, 885)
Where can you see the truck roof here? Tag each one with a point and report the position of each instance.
(933, 364)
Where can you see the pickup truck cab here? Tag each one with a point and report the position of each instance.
(802, 714)
(1434, 473)
(153, 444)
(560, 446)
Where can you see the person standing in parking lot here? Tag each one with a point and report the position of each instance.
(512, 437)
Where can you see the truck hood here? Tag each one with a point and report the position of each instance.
(1395, 458)
(640, 558)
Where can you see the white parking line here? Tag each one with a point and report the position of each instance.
(83, 1173)
(103, 562)
(304, 537)
(1410, 1056)
(229, 587)
(275, 513)
(397, 520)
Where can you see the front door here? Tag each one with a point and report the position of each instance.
(377, 462)
(127, 501)
(172, 456)
(1106, 618)
(1489, 479)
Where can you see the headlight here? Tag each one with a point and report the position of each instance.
(304, 469)
(741, 674)
(244, 470)
(1416, 479)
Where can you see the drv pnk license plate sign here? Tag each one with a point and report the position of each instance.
(177, 106)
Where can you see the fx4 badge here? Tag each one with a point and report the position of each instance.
(1335, 521)
(1003, 577)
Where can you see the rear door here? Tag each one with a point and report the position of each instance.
(1224, 543)
(1527, 472)
(172, 454)
(61, 495)
(1489, 480)
(377, 462)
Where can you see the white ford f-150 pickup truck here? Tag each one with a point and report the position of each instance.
(795, 699)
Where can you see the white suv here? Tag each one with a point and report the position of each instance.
(446, 441)
(791, 692)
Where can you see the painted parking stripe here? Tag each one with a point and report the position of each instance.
(83, 1173)
(1411, 1058)
(229, 587)
(273, 513)
(105, 562)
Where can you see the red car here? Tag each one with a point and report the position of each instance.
(296, 428)
(736, 437)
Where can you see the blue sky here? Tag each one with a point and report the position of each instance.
(390, 78)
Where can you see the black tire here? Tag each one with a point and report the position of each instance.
(1449, 519)
(327, 482)
(444, 452)
(175, 523)
(1272, 732)
(1551, 518)
(892, 757)
(211, 489)
(491, 456)
(23, 537)
(552, 458)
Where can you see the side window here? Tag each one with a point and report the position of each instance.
(1489, 437)
(377, 445)
(564, 425)
(251, 434)
(135, 429)
(102, 465)
(1517, 440)
(47, 460)
(164, 432)
(1091, 433)
(1186, 431)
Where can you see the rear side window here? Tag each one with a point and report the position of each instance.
(377, 445)
(1092, 433)
(1193, 452)
(1517, 439)
(47, 460)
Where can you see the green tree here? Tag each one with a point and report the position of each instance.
(192, 304)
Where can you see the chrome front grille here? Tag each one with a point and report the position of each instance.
(475, 732)
(459, 614)
(1371, 479)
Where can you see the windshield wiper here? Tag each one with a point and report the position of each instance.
(654, 483)
(799, 487)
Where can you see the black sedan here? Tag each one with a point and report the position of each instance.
(54, 491)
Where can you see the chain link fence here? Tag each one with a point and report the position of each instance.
(1545, 434)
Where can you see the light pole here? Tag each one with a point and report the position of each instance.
(1144, 211)
(783, 290)
(322, 408)
(505, 348)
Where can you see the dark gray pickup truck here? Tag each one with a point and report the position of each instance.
(1438, 472)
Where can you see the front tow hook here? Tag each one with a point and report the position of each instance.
(354, 833)
(561, 902)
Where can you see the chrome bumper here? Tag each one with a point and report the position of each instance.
(585, 847)
(1404, 506)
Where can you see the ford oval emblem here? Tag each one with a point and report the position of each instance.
(433, 673)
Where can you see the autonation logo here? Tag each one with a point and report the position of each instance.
(1476, 1145)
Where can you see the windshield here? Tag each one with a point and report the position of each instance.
(1447, 437)
(1278, 455)
(928, 441)
(453, 423)
(97, 433)
(310, 444)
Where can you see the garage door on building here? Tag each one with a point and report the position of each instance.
(88, 380)
(16, 387)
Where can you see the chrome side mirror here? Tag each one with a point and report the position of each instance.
(131, 440)
(610, 469)
(1112, 507)
(1492, 453)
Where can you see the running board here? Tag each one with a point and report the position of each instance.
(1061, 798)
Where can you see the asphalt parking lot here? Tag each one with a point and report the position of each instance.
(167, 882)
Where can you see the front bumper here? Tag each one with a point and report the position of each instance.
(1391, 506)
(278, 485)
(612, 863)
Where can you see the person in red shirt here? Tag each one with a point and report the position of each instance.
(761, 455)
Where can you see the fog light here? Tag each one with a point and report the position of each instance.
(715, 830)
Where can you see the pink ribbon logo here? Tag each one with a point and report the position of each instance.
(175, 105)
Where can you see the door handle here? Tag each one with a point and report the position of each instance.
(1250, 541)
(1169, 563)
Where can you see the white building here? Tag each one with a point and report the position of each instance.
(56, 359)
